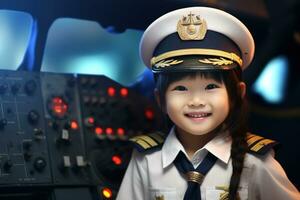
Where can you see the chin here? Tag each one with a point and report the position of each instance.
(199, 133)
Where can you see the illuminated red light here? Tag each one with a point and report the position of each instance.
(124, 92)
(109, 131)
(59, 107)
(57, 100)
(117, 160)
(120, 131)
(98, 130)
(74, 125)
(91, 120)
(107, 193)
(111, 91)
(149, 114)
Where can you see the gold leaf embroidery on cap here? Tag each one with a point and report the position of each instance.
(191, 27)
(167, 63)
(216, 61)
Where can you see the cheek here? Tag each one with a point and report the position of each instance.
(220, 101)
(223, 104)
(173, 103)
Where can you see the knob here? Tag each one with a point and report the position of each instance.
(15, 88)
(7, 165)
(33, 117)
(3, 123)
(30, 87)
(39, 164)
(38, 134)
(3, 88)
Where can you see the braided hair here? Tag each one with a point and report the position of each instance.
(235, 122)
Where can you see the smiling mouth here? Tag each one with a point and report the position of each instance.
(197, 115)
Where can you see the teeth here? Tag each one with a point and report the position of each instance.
(198, 115)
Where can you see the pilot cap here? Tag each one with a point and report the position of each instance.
(196, 38)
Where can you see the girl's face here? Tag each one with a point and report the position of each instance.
(197, 105)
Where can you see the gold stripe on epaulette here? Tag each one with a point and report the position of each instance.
(249, 135)
(143, 144)
(157, 137)
(134, 139)
(149, 140)
(253, 139)
(261, 144)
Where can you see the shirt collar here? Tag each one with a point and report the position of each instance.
(219, 146)
(171, 148)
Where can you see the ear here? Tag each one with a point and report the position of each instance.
(242, 86)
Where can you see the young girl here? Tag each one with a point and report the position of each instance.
(197, 55)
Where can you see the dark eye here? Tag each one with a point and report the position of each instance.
(211, 86)
(180, 88)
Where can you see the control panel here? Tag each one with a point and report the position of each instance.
(66, 130)
(111, 114)
(24, 157)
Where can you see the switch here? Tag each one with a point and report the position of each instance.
(3, 123)
(7, 165)
(66, 161)
(65, 136)
(86, 100)
(80, 161)
(33, 117)
(38, 134)
(94, 101)
(65, 164)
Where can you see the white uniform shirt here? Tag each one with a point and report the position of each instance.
(153, 175)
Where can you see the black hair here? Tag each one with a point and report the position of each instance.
(235, 121)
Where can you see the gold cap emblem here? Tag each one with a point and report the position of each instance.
(191, 27)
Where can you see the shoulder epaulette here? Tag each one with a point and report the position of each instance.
(259, 145)
(149, 142)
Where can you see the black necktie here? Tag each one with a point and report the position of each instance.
(194, 176)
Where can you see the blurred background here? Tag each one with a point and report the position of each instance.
(81, 58)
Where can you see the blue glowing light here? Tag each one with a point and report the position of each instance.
(85, 47)
(272, 81)
(15, 32)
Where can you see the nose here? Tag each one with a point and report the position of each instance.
(196, 101)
